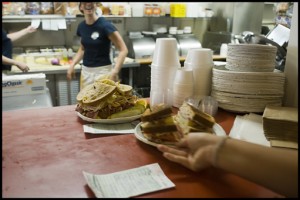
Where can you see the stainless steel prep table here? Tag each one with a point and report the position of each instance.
(63, 92)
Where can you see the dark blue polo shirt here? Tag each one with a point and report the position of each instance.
(95, 41)
(6, 49)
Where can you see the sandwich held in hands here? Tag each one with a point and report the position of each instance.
(158, 125)
(162, 126)
(106, 99)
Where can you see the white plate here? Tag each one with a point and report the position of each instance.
(218, 130)
(110, 121)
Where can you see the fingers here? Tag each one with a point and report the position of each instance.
(179, 156)
(26, 69)
(71, 75)
(183, 143)
(175, 158)
(179, 152)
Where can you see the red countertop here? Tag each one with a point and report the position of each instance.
(44, 152)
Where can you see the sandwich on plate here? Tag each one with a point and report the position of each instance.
(161, 125)
(158, 125)
(190, 119)
(106, 99)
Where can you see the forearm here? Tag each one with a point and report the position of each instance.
(8, 61)
(276, 169)
(119, 61)
(17, 35)
(117, 40)
(77, 58)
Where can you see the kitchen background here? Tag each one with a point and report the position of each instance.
(209, 22)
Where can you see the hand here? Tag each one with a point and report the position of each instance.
(195, 151)
(114, 76)
(22, 66)
(70, 73)
(30, 29)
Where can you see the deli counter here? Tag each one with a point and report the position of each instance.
(135, 72)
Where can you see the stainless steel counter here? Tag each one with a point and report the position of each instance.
(62, 91)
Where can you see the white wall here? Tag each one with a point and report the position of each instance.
(291, 66)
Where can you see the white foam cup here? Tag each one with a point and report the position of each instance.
(184, 76)
(183, 88)
(164, 96)
(198, 57)
(166, 53)
(223, 50)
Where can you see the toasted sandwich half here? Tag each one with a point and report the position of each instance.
(190, 119)
(158, 125)
(187, 111)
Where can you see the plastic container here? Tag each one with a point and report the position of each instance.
(178, 10)
(65, 55)
(148, 10)
(156, 10)
(33, 8)
(70, 54)
(206, 104)
(209, 105)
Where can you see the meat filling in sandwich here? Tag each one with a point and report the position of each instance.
(104, 98)
(158, 125)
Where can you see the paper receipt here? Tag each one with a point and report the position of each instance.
(129, 183)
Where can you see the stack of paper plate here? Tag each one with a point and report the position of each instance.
(245, 92)
(251, 57)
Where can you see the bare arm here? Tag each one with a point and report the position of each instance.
(119, 43)
(77, 58)
(274, 168)
(17, 35)
(8, 61)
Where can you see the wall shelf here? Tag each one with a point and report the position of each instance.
(72, 18)
(28, 18)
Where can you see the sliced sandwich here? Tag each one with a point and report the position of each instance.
(97, 92)
(190, 119)
(157, 112)
(121, 88)
(158, 125)
(104, 98)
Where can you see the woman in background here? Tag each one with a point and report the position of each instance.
(97, 36)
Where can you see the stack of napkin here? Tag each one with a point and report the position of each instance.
(280, 125)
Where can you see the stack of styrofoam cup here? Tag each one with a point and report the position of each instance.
(201, 62)
(183, 86)
(161, 96)
(165, 62)
(223, 50)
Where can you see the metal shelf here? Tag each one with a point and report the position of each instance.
(28, 18)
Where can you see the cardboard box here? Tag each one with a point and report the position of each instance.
(14, 85)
